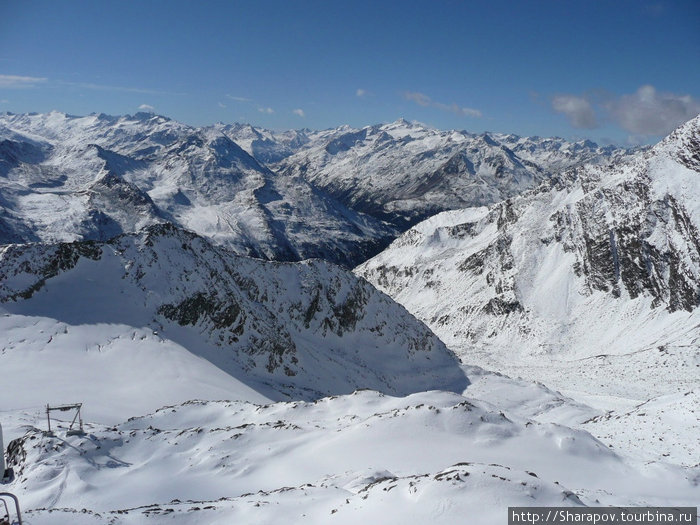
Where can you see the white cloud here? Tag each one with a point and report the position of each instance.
(4, 101)
(299, 112)
(650, 112)
(458, 110)
(18, 82)
(424, 100)
(105, 87)
(360, 93)
(578, 110)
(222, 105)
(239, 99)
(418, 98)
(268, 111)
(645, 112)
(147, 107)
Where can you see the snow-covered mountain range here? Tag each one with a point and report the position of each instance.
(66, 178)
(220, 388)
(299, 330)
(340, 194)
(404, 172)
(597, 269)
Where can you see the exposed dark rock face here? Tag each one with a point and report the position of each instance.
(307, 329)
(572, 263)
(60, 258)
(65, 178)
(611, 231)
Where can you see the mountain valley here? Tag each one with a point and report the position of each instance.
(221, 302)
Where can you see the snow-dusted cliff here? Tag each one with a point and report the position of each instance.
(598, 262)
(301, 329)
(65, 178)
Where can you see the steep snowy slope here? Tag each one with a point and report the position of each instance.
(597, 270)
(404, 172)
(555, 154)
(336, 460)
(269, 146)
(66, 178)
(306, 329)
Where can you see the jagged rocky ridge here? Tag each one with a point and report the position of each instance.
(596, 261)
(404, 172)
(341, 194)
(65, 178)
(300, 329)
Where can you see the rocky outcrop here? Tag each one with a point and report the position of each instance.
(306, 329)
(596, 255)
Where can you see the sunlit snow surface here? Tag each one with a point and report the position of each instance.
(429, 457)
(276, 195)
(65, 178)
(178, 432)
(405, 171)
(587, 284)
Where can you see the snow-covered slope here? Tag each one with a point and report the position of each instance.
(269, 146)
(597, 270)
(66, 178)
(340, 194)
(555, 154)
(404, 172)
(336, 460)
(588, 282)
(303, 330)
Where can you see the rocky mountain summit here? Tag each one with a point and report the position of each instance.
(405, 172)
(341, 194)
(597, 261)
(301, 329)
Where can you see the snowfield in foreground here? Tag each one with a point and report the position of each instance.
(431, 457)
(589, 283)
(221, 389)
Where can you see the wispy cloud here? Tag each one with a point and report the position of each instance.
(644, 112)
(362, 93)
(424, 100)
(4, 101)
(222, 105)
(299, 112)
(147, 107)
(106, 87)
(578, 110)
(650, 112)
(458, 110)
(19, 82)
(239, 99)
(267, 111)
(418, 98)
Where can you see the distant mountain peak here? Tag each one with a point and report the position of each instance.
(600, 257)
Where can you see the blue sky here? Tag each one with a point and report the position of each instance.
(606, 70)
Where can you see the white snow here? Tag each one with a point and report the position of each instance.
(184, 422)
(626, 367)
